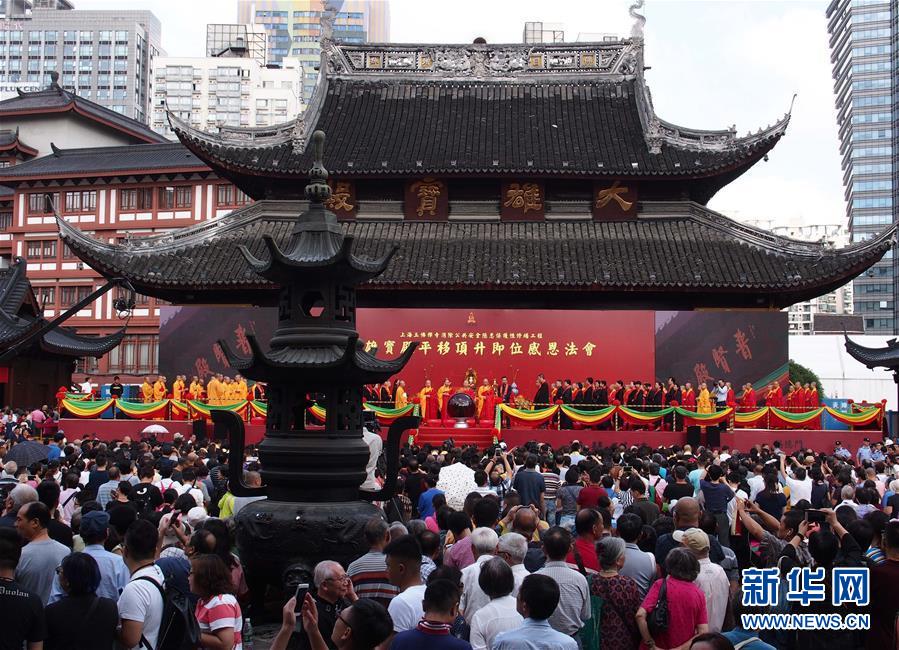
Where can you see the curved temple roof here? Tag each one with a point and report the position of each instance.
(887, 357)
(20, 316)
(568, 110)
(679, 254)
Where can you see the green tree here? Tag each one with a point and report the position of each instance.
(800, 373)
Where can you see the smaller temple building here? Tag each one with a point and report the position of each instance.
(41, 366)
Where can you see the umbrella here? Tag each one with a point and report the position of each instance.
(28, 452)
(154, 429)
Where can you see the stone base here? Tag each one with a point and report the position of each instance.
(280, 542)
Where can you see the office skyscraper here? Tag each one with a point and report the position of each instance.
(863, 43)
(102, 55)
(293, 28)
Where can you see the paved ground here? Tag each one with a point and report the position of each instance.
(263, 635)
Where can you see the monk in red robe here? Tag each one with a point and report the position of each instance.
(814, 399)
(688, 397)
(774, 396)
(731, 395)
(748, 399)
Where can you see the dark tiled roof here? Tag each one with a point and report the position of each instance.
(55, 98)
(18, 320)
(389, 127)
(696, 252)
(9, 141)
(136, 157)
(838, 323)
(887, 357)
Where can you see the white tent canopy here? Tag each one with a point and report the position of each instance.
(841, 375)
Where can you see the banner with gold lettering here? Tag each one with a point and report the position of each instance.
(518, 344)
(343, 199)
(522, 201)
(426, 198)
(614, 200)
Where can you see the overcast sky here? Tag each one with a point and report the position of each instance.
(714, 64)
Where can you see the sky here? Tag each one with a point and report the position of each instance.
(714, 64)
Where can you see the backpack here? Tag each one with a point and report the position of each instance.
(178, 628)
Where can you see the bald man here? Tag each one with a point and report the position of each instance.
(686, 515)
(526, 523)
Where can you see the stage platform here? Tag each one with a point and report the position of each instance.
(104, 429)
(742, 439)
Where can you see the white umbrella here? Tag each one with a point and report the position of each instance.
(155, 428)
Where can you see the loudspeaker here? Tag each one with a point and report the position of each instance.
(199, 430)
(713, 436)
(693, 435)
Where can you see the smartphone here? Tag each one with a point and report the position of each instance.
(302, 590)
(815, 516)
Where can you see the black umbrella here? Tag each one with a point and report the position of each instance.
(28, 452)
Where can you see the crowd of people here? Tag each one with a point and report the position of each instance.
(127, 543)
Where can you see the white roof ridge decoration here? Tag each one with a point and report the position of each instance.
(604, 61)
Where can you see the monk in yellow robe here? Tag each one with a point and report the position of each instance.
(178, 388)
(146, 390)
(400, 399)
(444, 393)
(159, 389)
(227, 390)
(423, 396)
(704, 400)
(241, 392)
(485, 390)
(195, 390)
(214, 390)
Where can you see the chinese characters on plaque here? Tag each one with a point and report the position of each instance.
(521, 201)
(614, 200)
(426, 198)
(483, 344)
(343, 199)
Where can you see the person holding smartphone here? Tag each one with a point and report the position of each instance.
(332, 594)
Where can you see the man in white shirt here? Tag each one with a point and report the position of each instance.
(86, 386)
(141, 603)
(483, 548)
(375, 445)
(756, 481)
(500, 614)
(711, 579)
(403, 557)
(798, 481)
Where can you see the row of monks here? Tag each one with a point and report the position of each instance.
(634, 394)
(432, 402)
(218, 391)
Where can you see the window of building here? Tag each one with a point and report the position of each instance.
(175, 197)
(72, 294)
(870, 186)
(137, 354)
(136, 199)
(46, 296)
(80, 201)
(37, 203)
(229, 196)
(40, 248)
(873, 202)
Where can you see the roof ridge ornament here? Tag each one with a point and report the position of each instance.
(639, 20)
(317, 191)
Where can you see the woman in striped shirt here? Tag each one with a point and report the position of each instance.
(217, 611)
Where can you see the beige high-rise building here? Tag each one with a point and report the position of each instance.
(293, 28)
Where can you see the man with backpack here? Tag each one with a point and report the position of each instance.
(142, 602)
(146, 496)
